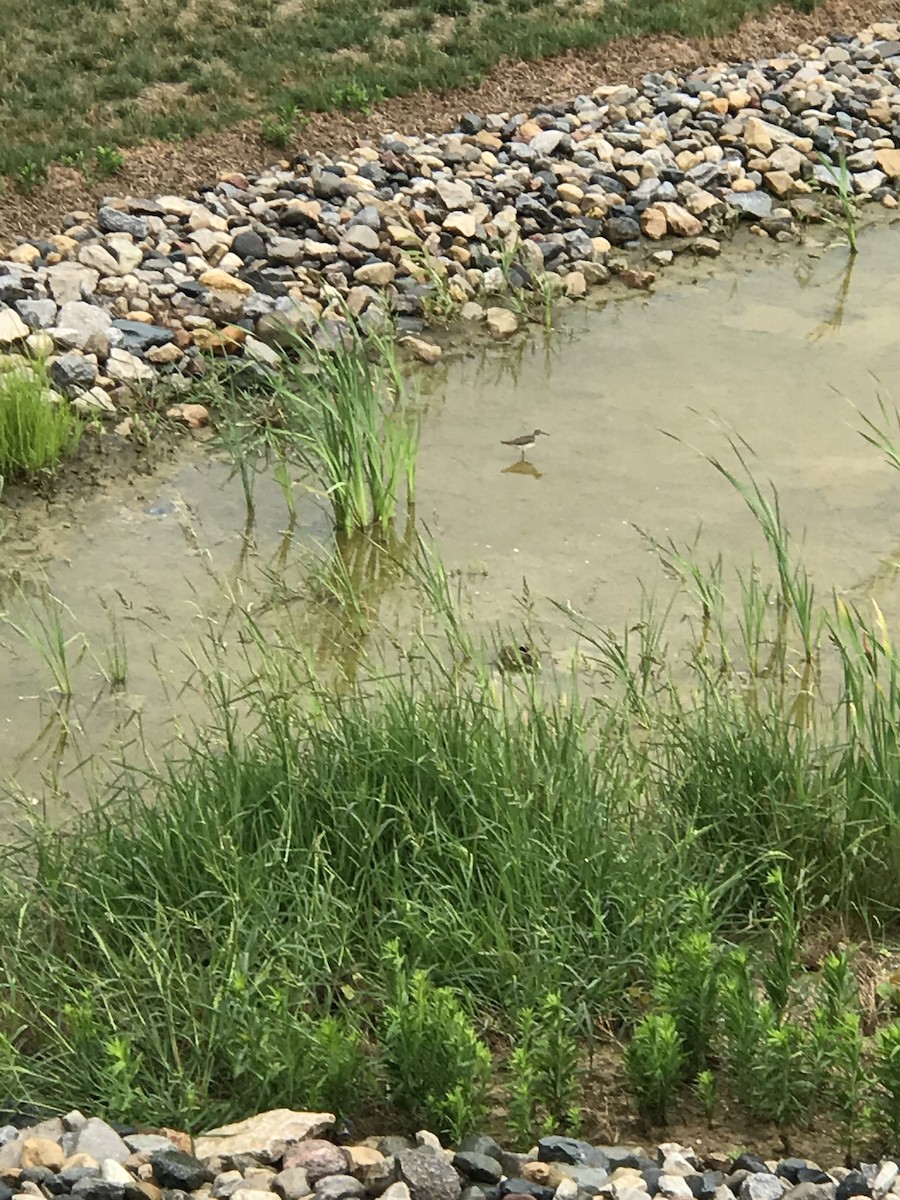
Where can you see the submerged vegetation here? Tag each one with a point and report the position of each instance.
(435, 883)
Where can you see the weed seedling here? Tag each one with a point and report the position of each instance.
(109, 160)
(844, 184)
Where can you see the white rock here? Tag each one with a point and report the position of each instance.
(126, 368)
(266, 1134)
(455, 193)
(12, 327)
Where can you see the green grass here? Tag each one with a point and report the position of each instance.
(36, 432)
(103, 74)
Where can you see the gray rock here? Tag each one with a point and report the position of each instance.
(146, 1143)
(590, 1180)
(754, 205)
(37, 314)
(71, 373)
(110, 220)
(95, 1188)
(138, 336)
(339, 1187)
(71, 281)
(428, 1176)
(570, 1150)
(621, 230)
(368, 216)
(291, 1184)
(762, 1187)
(85, 326)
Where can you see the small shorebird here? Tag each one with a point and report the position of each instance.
(526, 441)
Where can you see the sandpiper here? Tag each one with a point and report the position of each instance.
(526, 441)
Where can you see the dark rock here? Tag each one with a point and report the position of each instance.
(813, 1175)
(473, 1192)
(853, 1184)
(138, 336)
(704, 1187)
(480, 1168)
(625, 1156)
(471, 123)
(651, 1176)
(96, 1188)
(524, 1187)
(248, 245)
(175, 1169)
(621, 230)
(480, 1143)
(430, 1177)
(110, 220)
(789, 1169)
(750, 1162)
(570, 1150)
(71, 1175)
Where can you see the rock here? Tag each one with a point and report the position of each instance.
(780, 183)
(138, 336)
(854, 1183)
(125, 368)
(759, 1186)
(25, 254)
(98, 258)
(259, 352)
(339, 1187)
(786, 158)
(362, 1158)
(455, 193)
(621, 230)
(220, 281)
(378, 274)
(757, 135)
(428, 1176)
(12, 327)
(480, 1168)
(85, 327)
(885, 1179)
(113, 1172)
(42, 1152)
(248, 245)
(292, 1184)
(680, 221)
(426, 352)
(163, 355)
(37, 314)
(707, 247)
(590, 1180)
(194, 416)
(111, 220)
(363, 237)
(318, 1158)
(396, 1191)
(501, 322)
(653, 222)
(71, 281)
(460, 223)
(889, 161)
(674, 1187)
(94, 1137)
(755, 205)
(174, 1169)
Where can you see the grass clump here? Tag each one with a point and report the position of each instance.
(37, 429)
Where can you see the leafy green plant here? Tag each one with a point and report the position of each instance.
(783, 1088)
(887, 1073)
(354, 94)
(686, 980)
(655, 1062)
(37, 431)
(707, 1094)
(437, 1065)
(780, 965)
(31, 174)
(544, 1075)
(109, 160)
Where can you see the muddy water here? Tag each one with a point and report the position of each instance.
(771, 345)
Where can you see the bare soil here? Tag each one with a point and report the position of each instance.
(509, 87)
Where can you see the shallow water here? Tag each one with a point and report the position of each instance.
(770, 344)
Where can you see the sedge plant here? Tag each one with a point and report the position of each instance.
(37, 429)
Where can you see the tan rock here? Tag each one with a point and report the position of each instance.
(680, 221)
(267, 1134)
(221, 281)
(81, 1160)
(98, 258)
(12, 327)
(653, 222)
(743, 184)
(460, 223)
(363, 1156)
(194, 416)
(375, 274)
(786, 158)
(24, 254)
(571, 193)
(160, 355)
(576, 285)
(757, 136)
(780, 183)
(42, 1152)
(739, 99)
(219, 341)
(889, 161)
(426, 352)
(501, 322)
